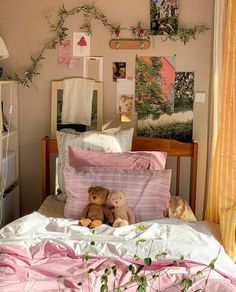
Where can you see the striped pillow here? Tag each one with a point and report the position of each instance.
(148, 190)
(154, 160)
(91, 140)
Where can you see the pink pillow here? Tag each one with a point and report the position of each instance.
(148, 190)
(127, 160)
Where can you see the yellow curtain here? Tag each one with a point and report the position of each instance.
(221, 203)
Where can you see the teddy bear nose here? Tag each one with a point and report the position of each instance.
(116, 202)
(94, 197)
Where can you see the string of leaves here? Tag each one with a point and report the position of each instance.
(141, 275)
(91, 13)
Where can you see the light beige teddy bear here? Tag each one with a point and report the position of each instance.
(122, 214)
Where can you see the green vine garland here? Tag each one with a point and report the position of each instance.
(90, 13)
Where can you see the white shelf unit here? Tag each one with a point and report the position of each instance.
(9, 168)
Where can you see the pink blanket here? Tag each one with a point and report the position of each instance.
(52, 267)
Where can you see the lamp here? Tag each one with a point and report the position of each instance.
(3, 53)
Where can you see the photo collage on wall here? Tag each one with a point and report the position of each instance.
(164, 99)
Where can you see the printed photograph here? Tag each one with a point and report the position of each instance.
(126, 103)
(161, 112)
(163, 16)
(119, 70)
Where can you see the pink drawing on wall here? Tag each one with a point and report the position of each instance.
(64, 52)
(76, 63)
(81, 44)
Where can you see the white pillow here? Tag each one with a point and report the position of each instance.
(120, 141)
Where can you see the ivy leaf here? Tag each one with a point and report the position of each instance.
(212, 264)
(93, 231)
(104, 278)
(136, 257)
(139, 269)
(161, 255)
(139, 228)
(181, 257)
(114, 270)
(131, 269)
(186, 282)
(155, 276)
(140, 241)
(104, 288)
(140, 289)
(85, 256)
(148, 261)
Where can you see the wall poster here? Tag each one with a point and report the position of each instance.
(81, 44)
(163, 16)
(162, 112)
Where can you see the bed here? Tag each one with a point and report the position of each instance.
(44, 251)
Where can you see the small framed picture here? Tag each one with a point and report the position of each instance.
(119, 70)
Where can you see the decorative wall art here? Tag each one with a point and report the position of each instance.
(164, 17)
(81, 44)
(125, 96)
(91, 13)
(119, 70)
(76, 63)
(162, 112)
(93, 68)
(64, 52)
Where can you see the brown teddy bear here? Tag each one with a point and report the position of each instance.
(122, 214)
(95, 213)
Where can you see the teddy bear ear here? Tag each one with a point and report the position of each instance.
(90, 189)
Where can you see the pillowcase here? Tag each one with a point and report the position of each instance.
(147, 190)
(180, 209)
(90, 140)
(154, 160)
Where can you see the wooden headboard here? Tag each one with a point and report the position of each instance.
(172, 147)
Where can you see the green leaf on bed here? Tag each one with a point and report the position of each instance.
(186, 283)
(131, 269)
(114, 270)
(139, 228)
(139, 269)
(140, 241)
(86, 256)
(104, 278)
(141, 289)
(212, 264)
(148, 261)
(136, 257)
(104, 288)
(161, 256)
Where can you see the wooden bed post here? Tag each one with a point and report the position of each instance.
(45, 169)
(193, 176)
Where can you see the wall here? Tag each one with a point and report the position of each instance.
(25, 30)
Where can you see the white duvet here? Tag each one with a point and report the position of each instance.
(192, 240)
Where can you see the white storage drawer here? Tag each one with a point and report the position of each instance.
(11, 205)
